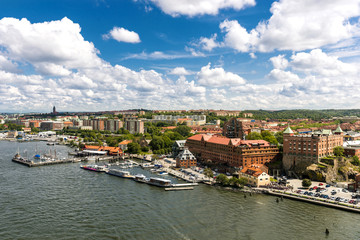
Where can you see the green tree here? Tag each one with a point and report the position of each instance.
(35, 130)
(234, 181)
(133, 147)
(254, 136)
(243, 181)
(271, 139)
(183, 130)
(222, 179)
(355, 161)
(338, 151)
(208, 172)
(145, 149)
(306, 183)
(279, 137)
(167, 141)
(157, 143)
(266, 133)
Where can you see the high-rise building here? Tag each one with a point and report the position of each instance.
(238, 127)
(134, 126)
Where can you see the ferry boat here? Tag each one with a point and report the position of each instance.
(141, 178)
(160, 182)
(120, 173)
(94, 168)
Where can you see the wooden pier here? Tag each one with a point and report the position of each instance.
(38, 164)
(179, 188)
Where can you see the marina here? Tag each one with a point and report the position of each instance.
(156, 211)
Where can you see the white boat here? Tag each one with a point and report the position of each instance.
(141, 178)
(160, 182)
(120, 173)
(94, 168)
(163, 173)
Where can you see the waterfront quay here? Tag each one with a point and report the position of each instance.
(322, 202)
(37, 164)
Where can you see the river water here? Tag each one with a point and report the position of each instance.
(66, 202)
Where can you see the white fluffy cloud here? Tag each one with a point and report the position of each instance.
(7, 65)
(80, 80)
(218, 77)
(209, 44)
(279, 62)
(237, 37)
(58, 43)
(70, 74)
(200, 7)
(296, 25)
(122, 35)
(181, 71)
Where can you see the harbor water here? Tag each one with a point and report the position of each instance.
(65, 202)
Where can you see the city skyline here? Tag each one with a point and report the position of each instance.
(209, 54)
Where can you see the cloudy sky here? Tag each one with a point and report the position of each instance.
(88, 55)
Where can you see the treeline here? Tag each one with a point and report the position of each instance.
(303, 113)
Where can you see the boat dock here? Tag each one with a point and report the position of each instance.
(184, 184)
(37, 164)
(179, 188)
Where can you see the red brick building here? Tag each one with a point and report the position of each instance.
(185, 159)
(231, 151)
(306, 149)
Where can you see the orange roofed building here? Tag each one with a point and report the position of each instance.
(113, 151)
(233, 152)
(256, 175)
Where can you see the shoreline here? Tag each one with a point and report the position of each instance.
(325, 203)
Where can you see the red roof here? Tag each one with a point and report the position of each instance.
(226, 141)
(252, 171)
(196, 137)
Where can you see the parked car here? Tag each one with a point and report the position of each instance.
(345, 190)
(315, 187)
(337, 199)
(320, 184)
(317, 195)
(332, 198)
(327, 185)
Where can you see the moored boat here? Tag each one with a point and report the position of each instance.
(94, 168)
(120, 173)
(160, 182)
(141, 178)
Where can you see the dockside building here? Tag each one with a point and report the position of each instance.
(232, 152)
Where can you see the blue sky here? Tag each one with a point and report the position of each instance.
(91, 55)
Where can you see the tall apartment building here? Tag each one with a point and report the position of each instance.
(96, 124)
(50, 125)
(231, 151)
(134, 126)
(306, 149)
(200, 119)
(111, 125)
(238, 127)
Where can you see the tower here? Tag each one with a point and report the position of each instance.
(54, 110)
